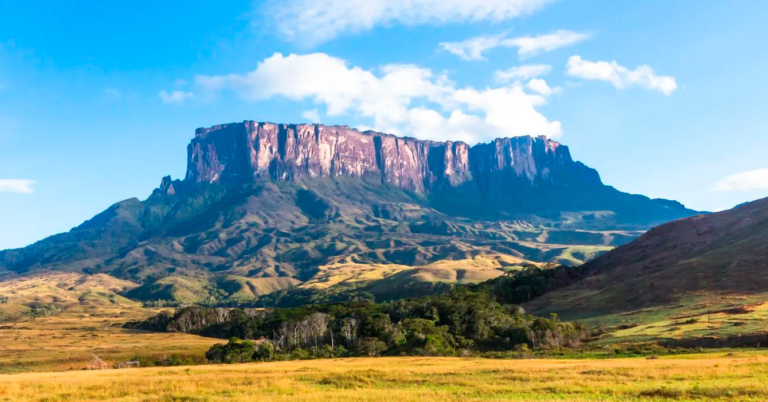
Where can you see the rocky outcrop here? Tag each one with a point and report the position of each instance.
(166, 186)
(251, 150)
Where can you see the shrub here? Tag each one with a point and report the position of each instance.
(371, 347)
(265, 352)
(235, 351)
(299, 354)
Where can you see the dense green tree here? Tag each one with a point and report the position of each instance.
(466, 319)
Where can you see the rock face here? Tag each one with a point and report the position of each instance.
(250, 150)
(166, 186)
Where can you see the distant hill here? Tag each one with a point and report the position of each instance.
(703, 265)
(41, 295)
(266, 207)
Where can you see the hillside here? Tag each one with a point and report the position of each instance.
(708, 266)
(41, 295)
(266, 207)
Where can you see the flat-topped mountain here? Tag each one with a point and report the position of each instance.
(264, 207)
(251, 151)
(517, 175)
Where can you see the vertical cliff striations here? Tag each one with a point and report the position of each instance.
(250, 150)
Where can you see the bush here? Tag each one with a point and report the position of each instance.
(265, 352)
(371, 347)
(299, 354)
(235, 351)
(322, 352)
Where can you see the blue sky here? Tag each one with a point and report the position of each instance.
(98, 100)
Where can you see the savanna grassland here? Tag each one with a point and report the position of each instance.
(68, 340)
(41, 359)
(743, 377)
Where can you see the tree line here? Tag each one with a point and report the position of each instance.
(466, 320)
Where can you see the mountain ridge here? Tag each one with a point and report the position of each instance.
(716, 259)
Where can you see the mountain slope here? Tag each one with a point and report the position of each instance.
(701, 262)
(264, 207)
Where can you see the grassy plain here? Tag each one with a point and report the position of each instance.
(66, 341)
(743, 377)
(41, 360)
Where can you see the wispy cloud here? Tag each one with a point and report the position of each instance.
(620, 76)
(175, 96)
(398, 98)
(527, 46)
(525, 72)
(473, 48)
(312, 116)
(744, 181)
(16, 186)
(311, 22)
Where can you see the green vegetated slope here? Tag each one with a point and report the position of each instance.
(234, 244)
(699, 276)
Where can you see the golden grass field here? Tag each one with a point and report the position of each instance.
(66, 341)
(41, 360)
(741, 377)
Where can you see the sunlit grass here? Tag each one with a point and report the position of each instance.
(702, 377)
(66, 341)
(695, 317)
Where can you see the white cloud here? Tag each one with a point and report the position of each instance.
(400, 99)
(175, 96)
(316, 21)
(744, 181)
(473, 49)
(527, 46)
(16, 186)
(540, 86)
(525, 72)
(621, 77)
(312, 116)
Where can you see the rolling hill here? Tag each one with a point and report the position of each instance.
(43, 294)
